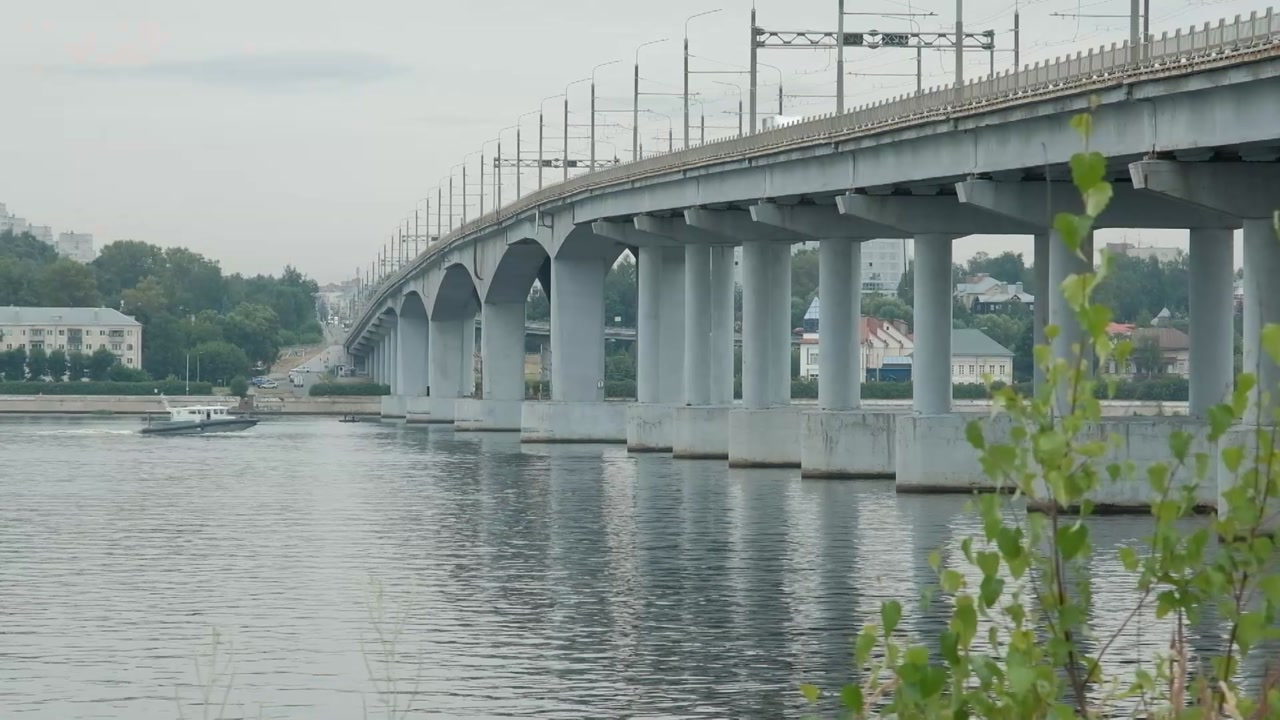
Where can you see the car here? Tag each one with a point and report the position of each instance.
(268, 385)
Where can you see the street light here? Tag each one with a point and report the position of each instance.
(635, 103)
(541, 113)
(670, 128)
(686, 69)
(592, 166)
(519, 154)
(771, 67)
(497, 166)
(565, 163)
(737, 87)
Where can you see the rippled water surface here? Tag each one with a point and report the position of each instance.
(550, 581)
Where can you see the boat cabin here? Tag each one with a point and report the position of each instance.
(197, 413)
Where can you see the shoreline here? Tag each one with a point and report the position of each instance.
(142, 405)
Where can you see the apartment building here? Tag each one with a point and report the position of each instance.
(81, 330)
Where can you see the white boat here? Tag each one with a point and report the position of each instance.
(198, 420)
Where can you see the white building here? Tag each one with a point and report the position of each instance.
(973, 353)
(883, 264)
(71, 330)
(43, 233)
(77, 246)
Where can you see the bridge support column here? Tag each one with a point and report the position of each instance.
(1261, 308)
(931, 358)
(502, 372)
(701, 431)
(1068, 344)
(697, 324)
(371, 363)
(1212, 337)
(411, 363)
(577, 411)
(661, 340)
(467, 388)
(766, 431)
(447, 346)
(722, 319)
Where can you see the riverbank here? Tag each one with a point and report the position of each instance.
(144, 404)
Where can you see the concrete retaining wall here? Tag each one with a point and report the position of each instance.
(931, 454)
(393, 406)
(700, 433)
(844, 444)
(573, 422)
(472, 415)
(650, 427)
(115, 404)
(417, 409)
(765, 438)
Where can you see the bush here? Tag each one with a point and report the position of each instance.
(620, 389)
(349, 389)
(105, 387)
(239, 386)
(124, 373)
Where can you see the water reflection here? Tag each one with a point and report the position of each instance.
(551, 581)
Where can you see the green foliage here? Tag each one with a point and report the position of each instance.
(219, 361)
(100, 363)
(77, 366)
(1147, 357)
(13, 365)
(37, 363)
(57, 365)
(67, 283)
(349, 389)
(620, 293)
(166, 387)
(239, 386)
(1018, 643)
(124, 373)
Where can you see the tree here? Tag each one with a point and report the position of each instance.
(620, 293)
(58, 365)
(25, 246)
(1147, 357)
(804, 275)
(124, 373)
(907, 284)
(1006, 267)
(192, 282)
(37, 364)
(77, 364)
(123, 264)
(67, 283)
(13, 365)
(886, 308)
(255, 329)
(221, 361)
(239, 386)
(100, 363)
(538, 307)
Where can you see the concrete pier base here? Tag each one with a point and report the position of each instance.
(573, 422)
(473, 415)
(765, 438)
(650, 427)
(847, 444)
(931, 454)
(439, 410)
(393, 406)
(700, 432)
(417, 410)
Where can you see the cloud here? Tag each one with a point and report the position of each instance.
(274, 72)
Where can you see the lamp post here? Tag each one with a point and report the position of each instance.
(519, 153)
(840, 55)
(779, 71)
(497, 167)
(592, 166)
(635, 102)
(737, 87)
(541, 125)
(686, 70)
(565, 162)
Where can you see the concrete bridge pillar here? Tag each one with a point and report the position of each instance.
(1211, 301)
(660, 378)
(577, 329)
(649, 324)
(722, 320)
(371, 363)
(391, 345)
(931, 357)
(697, 324)
(411, 362)
(502, 351)
(840, 303)
(766, 332)
(1068, 345)
(446, 368)
(1261, 308)
(467, 388)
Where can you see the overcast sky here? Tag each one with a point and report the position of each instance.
(303, 132)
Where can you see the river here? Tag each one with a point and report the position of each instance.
(485, 578)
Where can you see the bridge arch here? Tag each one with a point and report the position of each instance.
(455, 296)
(413, 344)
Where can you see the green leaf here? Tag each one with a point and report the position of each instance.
(1072, 540)
(851, 697)
(1097, 199)
(952, 580)
(1250, 630)
(890, 614)
(1072, 229)
(1180, 444)
(866, 643)
(949, 647)
(810, 692)
(1271, 341)
(1221, 418)
(1082, 123)
(1129, 558)
(973, 433)
(1232, 457)
(1087, 170)
(990, 589)
(989, 563)
(965, 619)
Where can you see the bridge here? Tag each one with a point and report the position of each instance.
(1187, 123)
